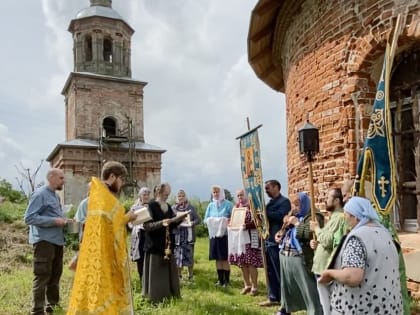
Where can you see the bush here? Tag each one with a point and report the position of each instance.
(9, 193)
(200, 207)
(11, 212)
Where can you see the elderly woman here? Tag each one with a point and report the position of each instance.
(365, 275)
(217, 216)
(137, 232)
(248, 254)
(298, 285)
(160, 275)
(185, 234)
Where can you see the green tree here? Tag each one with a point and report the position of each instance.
(8, 193)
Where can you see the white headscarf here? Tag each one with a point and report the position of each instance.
(362, 209)
(221, 195)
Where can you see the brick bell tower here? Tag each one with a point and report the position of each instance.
(104, 106)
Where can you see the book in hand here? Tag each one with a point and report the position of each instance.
(184, 217)
(143, 215)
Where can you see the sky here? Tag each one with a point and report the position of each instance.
(201, 88)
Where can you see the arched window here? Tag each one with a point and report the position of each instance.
(108, 49)
(88, 48)
(109, 126)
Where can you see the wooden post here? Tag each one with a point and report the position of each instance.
(311, 190)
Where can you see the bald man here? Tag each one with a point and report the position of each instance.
(45, 218)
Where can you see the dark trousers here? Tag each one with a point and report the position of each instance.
(47, 268)
(140, 261)
(273, 271)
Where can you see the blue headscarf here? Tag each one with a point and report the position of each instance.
(304, 205)
(290, 236)
(362, 209)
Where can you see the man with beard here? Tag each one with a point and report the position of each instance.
(44, 216)
(101, 282)
(276, 209)
(327, 240)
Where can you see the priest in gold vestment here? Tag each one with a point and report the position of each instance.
(101, 284)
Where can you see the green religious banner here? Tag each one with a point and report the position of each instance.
(376, 164)
(253, 180)
(376, 176)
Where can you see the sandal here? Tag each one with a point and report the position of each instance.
(254, 292)
(245, 290)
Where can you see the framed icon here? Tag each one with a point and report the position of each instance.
(237, 219)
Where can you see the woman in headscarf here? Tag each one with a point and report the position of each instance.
(250, 258)
(216, 218)
(160, 275)
(365, 277)
(298, 285)
(185, 234)
(137, 232)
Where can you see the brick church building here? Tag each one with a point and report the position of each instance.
(326, 56)
(103, 106)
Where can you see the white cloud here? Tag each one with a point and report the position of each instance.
(201, 88)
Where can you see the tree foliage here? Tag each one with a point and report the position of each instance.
(9, 194)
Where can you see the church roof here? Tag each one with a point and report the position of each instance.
(98, 11)
(269, 23)
(89, 143)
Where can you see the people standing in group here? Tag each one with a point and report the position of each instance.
(185, 234)
(365, 276)
(45, 218)
(327, 240)
(160, 275)
(216, 218)
(298, 284)
(276, 209)
(137, 231)
(247, 255)
(101, 282)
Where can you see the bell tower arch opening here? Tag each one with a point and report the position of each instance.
(109, 127)
(107, 49)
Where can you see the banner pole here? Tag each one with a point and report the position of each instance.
(311, 190)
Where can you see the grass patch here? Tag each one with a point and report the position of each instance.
(199, 296)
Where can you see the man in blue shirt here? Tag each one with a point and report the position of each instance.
(276, 209)
(44, 216)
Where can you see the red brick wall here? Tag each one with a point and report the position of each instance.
(331, 53)
(90, 99)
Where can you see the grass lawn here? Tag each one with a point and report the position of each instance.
(199, 296)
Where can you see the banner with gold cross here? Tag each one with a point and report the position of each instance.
(253, 180)
(376, 163)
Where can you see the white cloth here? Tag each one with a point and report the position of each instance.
(217, 226)
(237, 239)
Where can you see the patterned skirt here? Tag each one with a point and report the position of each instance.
(251, 257)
